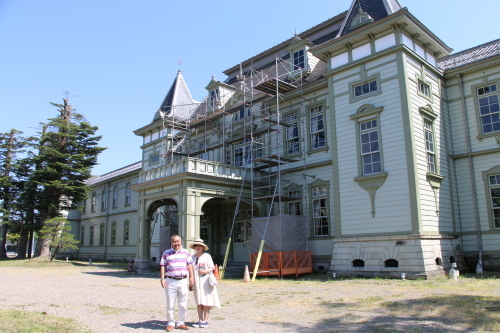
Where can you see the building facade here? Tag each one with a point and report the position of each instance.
(362, 135)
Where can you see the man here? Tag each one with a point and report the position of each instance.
(176, 274)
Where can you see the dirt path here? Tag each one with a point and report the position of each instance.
(107, 300)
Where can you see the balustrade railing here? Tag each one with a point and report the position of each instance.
(198, 166)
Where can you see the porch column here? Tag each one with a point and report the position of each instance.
(189, 216)
(142, 259)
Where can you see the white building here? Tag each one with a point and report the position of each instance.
(363, 135)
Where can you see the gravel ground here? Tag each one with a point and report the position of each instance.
(107, 300)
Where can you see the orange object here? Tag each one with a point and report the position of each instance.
(216, 272)
(246, 277)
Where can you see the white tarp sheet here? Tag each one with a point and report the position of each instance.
(284, 233)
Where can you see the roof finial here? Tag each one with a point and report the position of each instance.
(180, 61)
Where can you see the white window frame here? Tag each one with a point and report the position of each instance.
(82, 235)
(367, 113)
(204, 223)
(317, 127)
(492, 182)
(299, 59)
(370, 149)
(365, 89)
(424, 89)
(214, 97)
(126, 232)
(128, 194)
(488, 107)
(292, 134)
(430, 146)
(115, 196)
(320, 210)
(92, 234)
(295, 207)
(93, 202)
(104, 199)
(113, 233)
(102, 234)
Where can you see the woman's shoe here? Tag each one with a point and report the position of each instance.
(203, 324)
(197, 324)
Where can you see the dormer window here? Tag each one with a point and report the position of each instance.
(299, 60)
(361, 19)
(214, 97)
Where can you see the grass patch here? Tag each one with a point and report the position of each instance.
(479, 312)
(12, 321)
(109, 310)
(45, 263)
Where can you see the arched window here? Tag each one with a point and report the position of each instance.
(358, 263)
(391, 263)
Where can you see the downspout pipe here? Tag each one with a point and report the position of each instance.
(479, 267)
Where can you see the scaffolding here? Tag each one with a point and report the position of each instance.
(248, 117)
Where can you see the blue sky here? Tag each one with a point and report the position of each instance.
(118, 58)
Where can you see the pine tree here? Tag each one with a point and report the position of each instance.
(55, 231)
(67, 151)
(11, 145)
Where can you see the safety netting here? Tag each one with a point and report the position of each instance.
(284, 233)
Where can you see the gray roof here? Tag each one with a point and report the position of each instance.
(119, 172)
(178, 102)
(471, 55)
(376, 9)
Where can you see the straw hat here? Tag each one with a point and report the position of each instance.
(198, 241)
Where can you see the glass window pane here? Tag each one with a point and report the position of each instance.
(483, 101)
(357, 91)
(496, 126)
(365, 138)
(485, 110)
(366, 88)
(487, 128)
(367, 169)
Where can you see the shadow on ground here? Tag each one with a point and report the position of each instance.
(123, 274)
(449, 313)
(150, 324)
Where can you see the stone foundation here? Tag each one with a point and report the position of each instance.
(418, 256)
(142, 265)
(491, 262)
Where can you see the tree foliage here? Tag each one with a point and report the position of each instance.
(56, 232)
(49, 178)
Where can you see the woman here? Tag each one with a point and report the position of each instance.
(205, 295)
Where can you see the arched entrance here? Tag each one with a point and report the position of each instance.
(163, 216)
(216, 228)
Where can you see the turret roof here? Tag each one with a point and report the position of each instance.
(178, 102)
